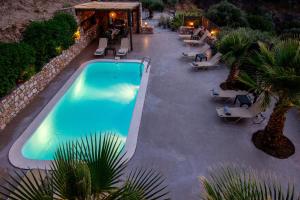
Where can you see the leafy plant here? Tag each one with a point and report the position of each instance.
(226, 14)
(235, 47)
(16, 59)
(236, 183)
(176, 21)
(90, 168)
(278, 76)
(47, 36)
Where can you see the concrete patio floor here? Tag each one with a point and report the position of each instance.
(180, 133)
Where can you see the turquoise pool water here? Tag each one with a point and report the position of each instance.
(101, 99)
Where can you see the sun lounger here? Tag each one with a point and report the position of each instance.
(198, 42)
(189, 36)
(240, 112)
(192, 54)
(124, 48)
(101, 47)
(226, 94)
(206, 64)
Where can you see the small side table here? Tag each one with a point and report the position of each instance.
(201, 57)
(110, 49)
(243, 99)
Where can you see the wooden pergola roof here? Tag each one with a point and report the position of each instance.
(95, 5)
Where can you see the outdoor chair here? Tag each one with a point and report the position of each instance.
(124, 48)
(227, 94)
(189, 36)
(207, 64)
(239, 113)
(192, 54)
(101, 47)
(201, 41)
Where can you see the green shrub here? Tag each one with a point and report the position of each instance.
(176, 21)
(48, 36)
(153, 5)
(226, 14)
(157, 5)
(15, 61)
(260, 22)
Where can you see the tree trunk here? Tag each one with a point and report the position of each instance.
(274, 129)
(233, 75)
(271, 140)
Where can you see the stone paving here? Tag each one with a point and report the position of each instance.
(180, 133)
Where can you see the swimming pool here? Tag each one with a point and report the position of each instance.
(101, 96)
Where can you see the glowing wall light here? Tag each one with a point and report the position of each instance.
(76, 35)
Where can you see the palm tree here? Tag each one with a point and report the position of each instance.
(278, 76)
(240, 183)
(235, 46)
(91, 168)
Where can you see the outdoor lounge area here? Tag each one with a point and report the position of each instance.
(120, 114)
(114, 20)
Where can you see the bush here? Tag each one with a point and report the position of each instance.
(153, 5)
(16, 60)
(176, 21)
(48, 36)
(157, 5)
(226, 14)
(260, 22)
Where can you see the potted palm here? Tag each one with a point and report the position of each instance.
(277, 76)
(91, 168)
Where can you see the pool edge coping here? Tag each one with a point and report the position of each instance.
(15, 156)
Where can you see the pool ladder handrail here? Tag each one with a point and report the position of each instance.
(147, 60)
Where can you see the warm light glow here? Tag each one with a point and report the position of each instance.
(146, 23)
(214, 32)
(112, 14)
(77, 34)
(191, 23)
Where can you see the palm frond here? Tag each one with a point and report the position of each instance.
(28, 186)
(144, 184)
(236, 183)
(71, 178)
(104, 155)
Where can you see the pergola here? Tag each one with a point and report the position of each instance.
(130, 8)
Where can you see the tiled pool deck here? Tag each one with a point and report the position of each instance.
(180, 133)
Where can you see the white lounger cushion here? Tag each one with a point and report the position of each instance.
(210, 63)
(241, 112)
(123, 51)
(235, 112)
(229, 93)
(200, 41)
(124, 48)
(188, 36)
(101, 47)
(192, 54)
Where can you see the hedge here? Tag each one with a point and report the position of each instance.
(16, 64)
(49, 38)
(42, 40)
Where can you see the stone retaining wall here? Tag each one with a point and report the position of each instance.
(13, 103)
